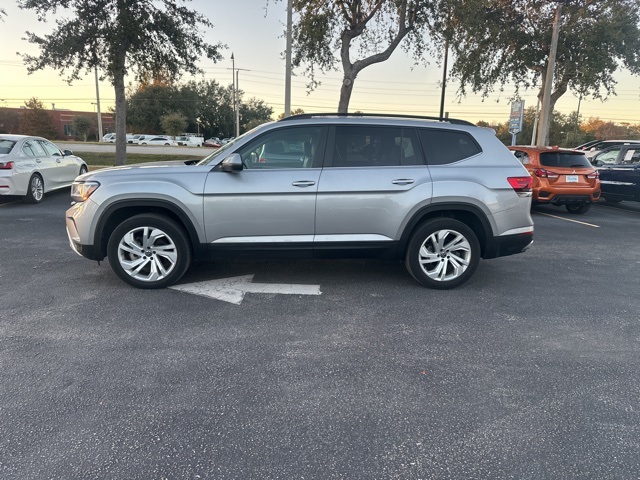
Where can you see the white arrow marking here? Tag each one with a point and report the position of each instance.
(233, 289)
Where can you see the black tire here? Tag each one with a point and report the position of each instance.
(35, 189)
(578, 208)
(83, 170)
(467, 249)
(173, 241)
(611, 200)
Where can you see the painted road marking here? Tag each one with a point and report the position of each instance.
(9, 203)
(233, 289)
(569, 220)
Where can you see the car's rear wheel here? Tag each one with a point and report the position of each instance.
(578, 207)
(149, 251)
(35, 190)
(83, 170)
(442, 253)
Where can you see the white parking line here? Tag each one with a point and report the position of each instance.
(569, 220)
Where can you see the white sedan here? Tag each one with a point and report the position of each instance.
(33, 166)
(157, 141)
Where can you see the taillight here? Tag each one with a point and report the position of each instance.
(542, 173)
(6, 165)
(593, 175)
(521, 184)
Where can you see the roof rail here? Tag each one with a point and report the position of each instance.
(303, 116)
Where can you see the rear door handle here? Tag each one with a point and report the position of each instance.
(303, 183)
(403, 181)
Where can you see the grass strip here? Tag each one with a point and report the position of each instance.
(108, 159)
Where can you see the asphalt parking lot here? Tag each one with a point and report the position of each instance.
(528, 371)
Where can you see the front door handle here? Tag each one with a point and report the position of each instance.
(303, 183)
(403, 181)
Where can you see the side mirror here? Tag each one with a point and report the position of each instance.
(233, 163)
(67, 153)
(598, 163)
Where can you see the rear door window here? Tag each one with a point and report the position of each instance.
(375, 146)
(447, 146)
(564, 160)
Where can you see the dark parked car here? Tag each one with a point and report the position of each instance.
(619, 172)
(591, 149)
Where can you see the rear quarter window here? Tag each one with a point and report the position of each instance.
(564, 160)
(446, 146)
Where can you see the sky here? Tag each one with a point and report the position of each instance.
(254, 32)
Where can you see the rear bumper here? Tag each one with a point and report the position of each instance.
(508, 245)
(563, 199)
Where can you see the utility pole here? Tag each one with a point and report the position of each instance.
(444, 77)
(287, 75)
(98, 106)
(235, 104)
(545, 114)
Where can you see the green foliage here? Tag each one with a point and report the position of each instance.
(173, 123)
(206, 102)
(35, 120)
(133, 37)
(81, 126)
(295, 111)
(500, 41)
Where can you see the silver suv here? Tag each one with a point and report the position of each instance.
(437, 194)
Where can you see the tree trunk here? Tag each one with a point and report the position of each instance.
(121, 114)
(345, 93)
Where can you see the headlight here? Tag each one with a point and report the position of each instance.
(80, 191)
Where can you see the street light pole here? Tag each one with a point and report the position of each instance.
(287, 75)
(235, 104)
(545, 114)
(444, 77)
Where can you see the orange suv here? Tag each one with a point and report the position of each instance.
(560, 177)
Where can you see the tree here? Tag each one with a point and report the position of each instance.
(120, 37)
(500, 41)
(174, 123)
(374, 28)
(295, 111)
(81, 126)
(253, 113)
(36, 120)
(9, 121)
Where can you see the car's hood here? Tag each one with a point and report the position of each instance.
(139, 169)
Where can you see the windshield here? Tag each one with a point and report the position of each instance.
(6, 145)
(564, 160)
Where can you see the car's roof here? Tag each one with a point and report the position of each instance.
(15, 138)
(533, 148)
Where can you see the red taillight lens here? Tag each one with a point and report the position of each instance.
(542, 173)
(593, 175)
(6, 166)
(521, 184)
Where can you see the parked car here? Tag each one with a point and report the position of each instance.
(157, 140)
(224, 141)
(619, 169)
(32, 166)
(189, 140)
(213, 142)
(134, 138)
(109, 138)
(560, 177)
(436, 195)
(591, 149)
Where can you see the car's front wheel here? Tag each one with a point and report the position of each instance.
(578, 207)
(149, 251)
(442, 253)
